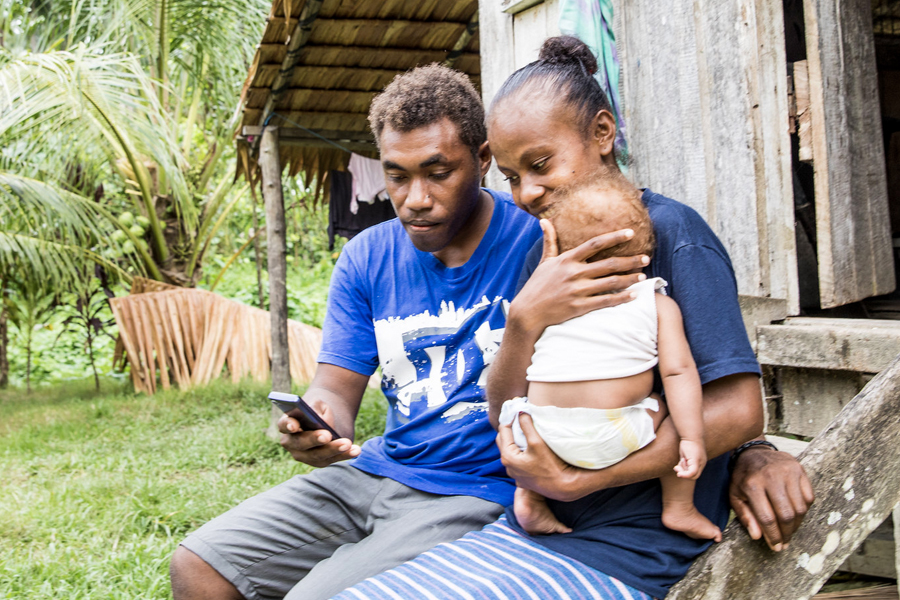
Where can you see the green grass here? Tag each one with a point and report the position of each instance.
(97, 490)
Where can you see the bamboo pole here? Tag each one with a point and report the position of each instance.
(276, 247)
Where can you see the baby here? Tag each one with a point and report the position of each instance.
(591, 377)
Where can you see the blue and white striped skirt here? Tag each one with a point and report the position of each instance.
(495, 563)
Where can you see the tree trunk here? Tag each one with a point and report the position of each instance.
(4, 337)
(257, 250)
(4, 344)
(28, 362)
(90, 345)
(276, 245)
(854, 471)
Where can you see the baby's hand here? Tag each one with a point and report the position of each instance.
(693, 459)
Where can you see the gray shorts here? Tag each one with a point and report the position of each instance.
(318, 534)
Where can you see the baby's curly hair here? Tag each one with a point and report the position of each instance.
(587, 208)
(426, 95)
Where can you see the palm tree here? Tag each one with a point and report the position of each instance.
(110, 113)
(93, 125)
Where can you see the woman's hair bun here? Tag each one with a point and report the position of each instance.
(568, 50)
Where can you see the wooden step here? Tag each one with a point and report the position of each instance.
(863, 345)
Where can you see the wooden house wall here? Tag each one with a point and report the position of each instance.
(706, 110)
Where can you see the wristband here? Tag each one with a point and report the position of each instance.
(746, 446)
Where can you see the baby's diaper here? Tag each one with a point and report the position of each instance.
(590, 438)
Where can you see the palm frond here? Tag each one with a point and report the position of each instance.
(50, 233)
(94, 99)
(49, 261)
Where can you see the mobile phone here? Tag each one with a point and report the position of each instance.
(295, 407)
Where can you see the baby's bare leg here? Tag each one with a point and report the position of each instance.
(534, 515)
(679, 512)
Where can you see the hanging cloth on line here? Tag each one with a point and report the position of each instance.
(591, 21)
(341, 220)
(368, 181)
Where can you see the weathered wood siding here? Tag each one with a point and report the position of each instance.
(852, 219)
(510, 39)
(704, 91)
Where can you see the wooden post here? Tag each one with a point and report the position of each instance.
(897, 543)
(270, 167)
(853, 227)
(854, 470)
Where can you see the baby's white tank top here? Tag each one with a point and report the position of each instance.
(607, 343)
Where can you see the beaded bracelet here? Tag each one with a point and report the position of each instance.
(746, 446)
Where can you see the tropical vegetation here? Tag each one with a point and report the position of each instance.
(117, 120)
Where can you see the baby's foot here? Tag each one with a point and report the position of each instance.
(535, 516)
(685, 517)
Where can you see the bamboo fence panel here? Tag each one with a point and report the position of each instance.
(188, 336)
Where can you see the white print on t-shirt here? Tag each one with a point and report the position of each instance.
(426, 358)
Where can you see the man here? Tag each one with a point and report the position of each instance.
(425, 297)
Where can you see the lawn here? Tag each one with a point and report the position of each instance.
(97, 490)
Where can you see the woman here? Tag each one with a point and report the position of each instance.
(550, 123)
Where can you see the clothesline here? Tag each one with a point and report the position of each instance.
(321, 137)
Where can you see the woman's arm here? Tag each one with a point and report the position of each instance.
(562, 287)
(732, 414)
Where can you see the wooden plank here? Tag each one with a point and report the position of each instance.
(811, 398)
(291, 133)
(773, 160)
(804, 118)
(758, 311)
(863, 345)
(371, 57)
(307, 100)
(896, 519)
(496, 38)
(876, 555)
(852, 224)
(392, 33)
(315, 120)
(464, 38)
(276, 245)
(513, 7)
(793, 447)
(531, 27)
(854, 471)
(705, 82)
(341, 145)
(327, 77)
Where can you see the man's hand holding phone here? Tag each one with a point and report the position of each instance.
(307, 431)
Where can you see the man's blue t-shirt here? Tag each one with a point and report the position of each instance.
(433, 330)
(619, 531)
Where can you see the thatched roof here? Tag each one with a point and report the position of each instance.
(320, 63)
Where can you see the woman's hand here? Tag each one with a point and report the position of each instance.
(770, 495)
(537, 468)
(566, 285)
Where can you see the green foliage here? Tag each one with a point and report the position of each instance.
(99, 489)
(87, 318)
(116, 148)
(29, 303)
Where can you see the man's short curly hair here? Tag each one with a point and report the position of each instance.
(426, 95)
